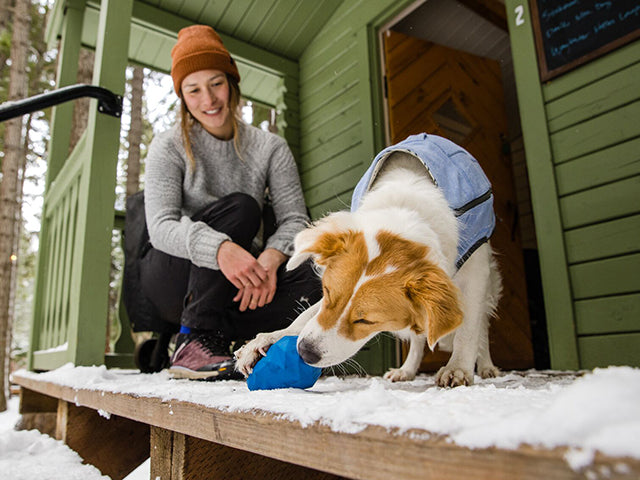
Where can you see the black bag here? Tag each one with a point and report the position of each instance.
(136, 244)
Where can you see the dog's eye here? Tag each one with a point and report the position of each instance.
(363, 321)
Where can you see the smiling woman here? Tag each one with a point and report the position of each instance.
(206, 182)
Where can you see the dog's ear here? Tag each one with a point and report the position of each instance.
(320, 240)
(432, 290)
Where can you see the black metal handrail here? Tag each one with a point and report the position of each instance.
(108, 102)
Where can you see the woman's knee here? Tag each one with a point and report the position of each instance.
(245, 204)
(237, 214)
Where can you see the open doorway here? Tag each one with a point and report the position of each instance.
(447, 71)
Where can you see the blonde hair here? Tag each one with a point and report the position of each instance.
(187, 121)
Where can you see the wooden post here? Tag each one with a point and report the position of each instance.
(558, 304)
(37, 411)
(88, 309)
(175, 456)
(115, 445)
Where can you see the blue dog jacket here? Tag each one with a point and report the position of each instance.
(282, 368)
(461, 179)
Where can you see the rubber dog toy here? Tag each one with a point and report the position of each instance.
(283, 368)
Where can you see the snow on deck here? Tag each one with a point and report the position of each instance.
(587, 412)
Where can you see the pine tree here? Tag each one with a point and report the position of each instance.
(135, 131)
(13, 152)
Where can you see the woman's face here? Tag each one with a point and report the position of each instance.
(206, 95)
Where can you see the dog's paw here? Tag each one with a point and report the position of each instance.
(489, 372)
(248, 355)
(399, 375)
(453, 377)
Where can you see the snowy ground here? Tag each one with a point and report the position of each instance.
(597, 411)
(30, 455)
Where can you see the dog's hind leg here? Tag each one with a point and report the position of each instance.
(485, 366)
(410, 366)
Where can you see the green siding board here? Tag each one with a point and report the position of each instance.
(340, 161)
(593, 71)
(193, 8)
(230, 18)
(273, 23)
(314, 68)
(341, 24)
(341, 182)
(343, 141)
(594, 134)
(609, 239)
(595, 99)
(336, 203)
(290, 38)
(342, 65)
(312, 109)
(617, 314)
(253, 18)
(332, 92)
(322, 119)
(604, 166)
(607, 350)
(334, 124)
(607, 202)
(611, 276)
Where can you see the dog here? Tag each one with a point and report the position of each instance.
(411, 257)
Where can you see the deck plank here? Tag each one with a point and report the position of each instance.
(374, 453)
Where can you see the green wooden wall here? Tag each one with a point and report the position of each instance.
(594, 125)
(340, 122)
(582, 139)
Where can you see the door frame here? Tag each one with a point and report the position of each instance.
(375, 33)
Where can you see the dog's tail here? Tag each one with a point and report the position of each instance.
(495, 285)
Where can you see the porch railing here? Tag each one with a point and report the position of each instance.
(60, 234)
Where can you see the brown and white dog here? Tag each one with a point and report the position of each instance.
(390, 266)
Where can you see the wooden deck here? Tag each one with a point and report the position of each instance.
(118, 431)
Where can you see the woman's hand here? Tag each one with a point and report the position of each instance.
(271, 259)
(245, 273)
(254, 279)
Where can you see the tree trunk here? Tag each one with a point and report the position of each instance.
(81, 107)
(8, 188)
(135, 131)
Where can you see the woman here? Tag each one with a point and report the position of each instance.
(205, 186)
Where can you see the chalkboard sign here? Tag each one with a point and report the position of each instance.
(572, 32)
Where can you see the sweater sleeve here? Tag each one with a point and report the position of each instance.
(169, 230)
(288, 201)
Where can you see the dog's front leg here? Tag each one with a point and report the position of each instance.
(249, 354)
(410, 366)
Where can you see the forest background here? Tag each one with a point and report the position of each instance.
(27, 68)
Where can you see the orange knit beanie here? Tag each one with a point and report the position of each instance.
(199, 47)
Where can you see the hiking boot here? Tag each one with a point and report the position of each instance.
(203, 356)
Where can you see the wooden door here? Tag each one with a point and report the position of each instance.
(434, 89)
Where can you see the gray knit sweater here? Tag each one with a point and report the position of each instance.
(174, 193)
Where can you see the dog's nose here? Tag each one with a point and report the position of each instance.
(308, 351)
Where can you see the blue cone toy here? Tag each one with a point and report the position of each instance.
(282, 368)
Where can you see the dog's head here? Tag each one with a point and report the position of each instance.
(373, 281)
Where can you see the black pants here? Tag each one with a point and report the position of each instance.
(202, 298)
